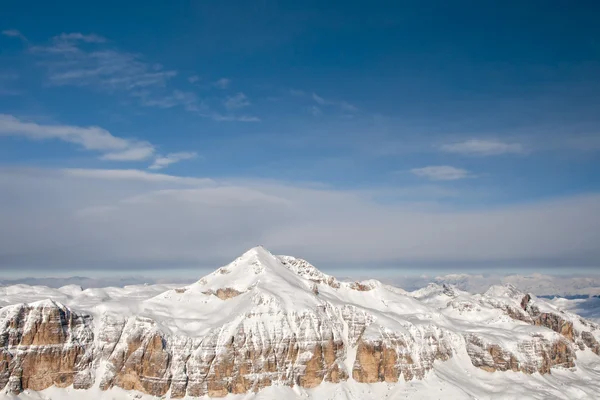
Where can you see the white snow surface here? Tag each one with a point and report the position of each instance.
(274, 287)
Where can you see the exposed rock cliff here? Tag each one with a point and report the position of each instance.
(44, 344)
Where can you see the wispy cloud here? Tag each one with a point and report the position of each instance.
(238, 100)
(177, 98)
(483, 147)
(344, 105)
(80, 36)
(321, 102)
(239, 118)
(90, 138)
(441, 173)
(133, 154)
(69, 63)
(14, 33)
(88, 60)
(171, 158)
(134, 175)
(318, 99)
(222, 83)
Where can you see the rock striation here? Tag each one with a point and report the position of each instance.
(44, 344)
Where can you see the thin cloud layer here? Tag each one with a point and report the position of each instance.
(238, 100)
(343, 105)
(113, 218)
(132, 175)
(480, 147)
(441, 173)
(172, 158)
(222, 83)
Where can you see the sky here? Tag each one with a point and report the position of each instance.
(406, 138)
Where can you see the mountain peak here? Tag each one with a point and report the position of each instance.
(257, 251)
(256, 270)
(257, 258)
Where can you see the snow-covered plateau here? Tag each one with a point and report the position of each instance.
(275, 327)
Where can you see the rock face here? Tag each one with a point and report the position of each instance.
(551, 320)
(542, 351)
(535, 355)
(253, 357)
(139, 360)
(44, 344)
(265, 320)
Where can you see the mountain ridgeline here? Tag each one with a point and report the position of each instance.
(268, 320)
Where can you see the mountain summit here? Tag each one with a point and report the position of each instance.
(279, 325)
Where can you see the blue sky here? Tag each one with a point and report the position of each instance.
(364, 122)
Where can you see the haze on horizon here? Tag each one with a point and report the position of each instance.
(360, 136)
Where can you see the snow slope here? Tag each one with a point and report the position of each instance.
(375, 341)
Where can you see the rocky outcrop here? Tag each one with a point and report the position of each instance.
(44, 344)
(590, 341)
(535, 355)
(376, 362)
(307, 271)
(360, 286)
(556, 323)
(249, 361)
(387, 357)
(538, 354)
(490, 357)
(139, 360)
(224, 293)
(357, 320)
(550, 320)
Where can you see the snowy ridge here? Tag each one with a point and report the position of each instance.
(277, 326)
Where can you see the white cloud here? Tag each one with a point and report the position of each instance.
(116, 218)
(142, 152)
(343, 105)
(14, 33)
(171, 158)
(238, 100)
(90, 138)
(193, 79)
(188, 100)
(481, 147)
(239, 118)
(133, 175)
(80, 36)
(222, 83)
(441, 173)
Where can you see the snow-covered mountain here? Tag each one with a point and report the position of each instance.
(539, 284)
(269, 326)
